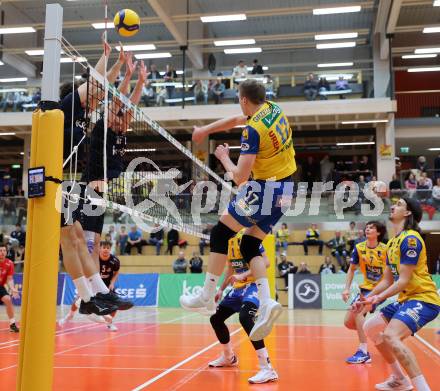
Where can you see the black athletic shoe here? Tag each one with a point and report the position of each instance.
(97, 307)
(13, 328)
(114, 298)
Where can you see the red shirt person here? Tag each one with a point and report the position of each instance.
(6, 279)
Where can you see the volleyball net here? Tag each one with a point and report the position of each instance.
(149, 176)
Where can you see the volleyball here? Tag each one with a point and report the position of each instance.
(127, 22)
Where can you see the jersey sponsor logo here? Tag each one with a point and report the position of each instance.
(412, 242)
(272, 117)
(307, 291)
(139, 293)
(262, 114)
(245, 147)
(275, 142)
(411, 253)
(245, 134)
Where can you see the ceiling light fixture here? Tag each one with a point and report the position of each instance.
(17, 30)
(13, 79)
(243, 50)
(136, 48)
(102, 26)
(427, 50)
(336, 45)
(424, 69)
(66, 60)
(233, 42)
(336, 10)
(7, 134)
(322, 37)
(143, 56)
(430, 30)
(410, 56)
(223, 18)
(336, 64)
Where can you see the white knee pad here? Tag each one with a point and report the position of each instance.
(374, 328)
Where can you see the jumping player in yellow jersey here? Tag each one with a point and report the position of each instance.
(418, 302)
(241, 299)
(370, 256)
(266, 152)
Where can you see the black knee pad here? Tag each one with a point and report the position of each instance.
(247, 320)
(220, 236)
(250, 247)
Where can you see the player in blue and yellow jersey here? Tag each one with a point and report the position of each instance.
(267, 153)
(417, 304)
(241, 299)
(370, 257)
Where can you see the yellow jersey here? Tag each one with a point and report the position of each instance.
(268, 136)
(408, 248)
(239, 265)
(371, 261)
(283, 235)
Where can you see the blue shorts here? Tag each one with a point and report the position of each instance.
(365, 293)
(414, 313)
(260, 203)
(236, 297)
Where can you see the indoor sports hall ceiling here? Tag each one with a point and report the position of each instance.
(284, 30)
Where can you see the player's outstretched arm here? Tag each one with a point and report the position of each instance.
(114, 71)
(405, 274)
(201, 132)
(130, 66)
(137, 91)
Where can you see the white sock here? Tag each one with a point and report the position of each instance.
(83, 288)
(397, 370)
(263, 358)
(420, 383)
(263, 289)
(227, 350)
(363, 347)
(12, 321)
(97, 284)
(210, 286)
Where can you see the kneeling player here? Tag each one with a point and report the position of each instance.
(370, 256)
(418, 302)
(242, 299)
(6, 278)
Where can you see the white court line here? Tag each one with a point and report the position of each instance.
(179, 364)
(427, 344)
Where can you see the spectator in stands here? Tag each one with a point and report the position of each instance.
(437, 167)
(172, 240)
(344, 268)
(7, 191)
(341, 85)
(180, 264)
(169, 77)
(365, 167)
(361, 236)
(19, 235)
(285, 268)
(327, 166)
(354, 164)
(423, 189)
(134, 240)
(36, 96)
(435, 196)
(19, 258)
(201, 92)
(351, 234)
(310, 172)
(154, 73)
(8, 210)
(427, 179)
(422, 164)
(338, 247)
(303, 269)
(12, 99)
(196, 263)
(310, 87)
(10, 252)
(240, 71)
(156, 238)
(411, 184)
(327, 267)
(113, 238)
(395, 185)
(218, 91)
(122, 239)
(205, 242)
(282, 238)
(323, 86)
(312, 239)
(437, 265)
(257, 69)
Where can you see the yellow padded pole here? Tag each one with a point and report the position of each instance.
(269, 248)
(37, 338)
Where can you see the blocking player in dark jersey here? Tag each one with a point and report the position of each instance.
(370, 256)
(7, 278)
(119, 118)
(241, 299)
(96, 298)
(109, 271)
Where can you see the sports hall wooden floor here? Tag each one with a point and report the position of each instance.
(168, 349)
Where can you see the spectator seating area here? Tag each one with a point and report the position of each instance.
(287, 92)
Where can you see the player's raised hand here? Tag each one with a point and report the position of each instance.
(107, 47)
(122, 58)
(142, 72)
(199, 134)
(345, 295)
(130, 66)
(222, 151)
